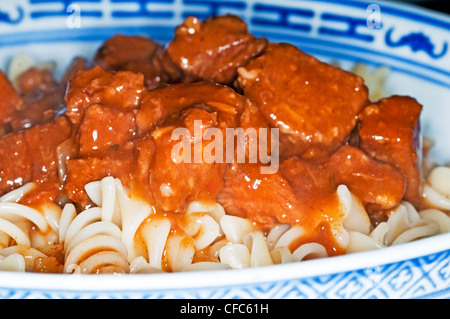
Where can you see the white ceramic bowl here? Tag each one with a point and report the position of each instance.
(412, 42)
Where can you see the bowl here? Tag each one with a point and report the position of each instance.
(413, 43)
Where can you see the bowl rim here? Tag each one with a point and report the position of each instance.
(366, 260)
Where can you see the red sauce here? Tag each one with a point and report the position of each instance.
(43, 193)
(322, 235)
(47, 265)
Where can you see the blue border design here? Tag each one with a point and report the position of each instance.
(164, 34)
(214, 7)
(158, 33)
(272, 28)
(5, 18)
(142, 11)
(63, 12)
(339, 285)
(394, 11)
(417, 41)
(353, 24)
(283, 17)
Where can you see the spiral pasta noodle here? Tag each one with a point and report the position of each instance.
(92, 244)
(198, 229)
(437, 188)
(405, 224)
(25, 233)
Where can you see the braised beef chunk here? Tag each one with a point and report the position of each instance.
(31, 155)
(123, 89)
(174, 183)
(105, 128)
(138, 54)
(77, 64)
(267, 199)
(10, 102)
(15, 164)
(306, 177)
(390, 132)
(102, 106)
(42, 142)
(38, 100)
(85, 170)
(313, 103)
(158, 104)
(256, 132)
(145, 154)
(43, 98)
(378, 185)
(212, 50)
(39, 112)
(35, 83)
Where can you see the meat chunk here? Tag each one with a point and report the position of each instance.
(42, 142)
(158, 104)
(84, 170)
(105, 129)
(138, 54)
(249, 191)
(214, 49)
(163, 110)
(390, 132)
(42, 99)
(28, 152)
(102, 106)
(378, 185)
(31, 155)
(270, 199)
(145, 154)
(175, 182)
(77, 64)
(15, 166)
(166, 109)
(36, 82)
(10, 102)
(179, 176)
(40, 110)
(257, 133)
(314, 104)
(96, 86)
(267, 199)
(307, 178)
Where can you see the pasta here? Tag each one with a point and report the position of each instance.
(89, 231)
(123, 234)
(13, 262)
(405, 223)
(375, 80)
(437, 189)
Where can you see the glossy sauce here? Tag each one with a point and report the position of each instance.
(43, 193)
(175, 220)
